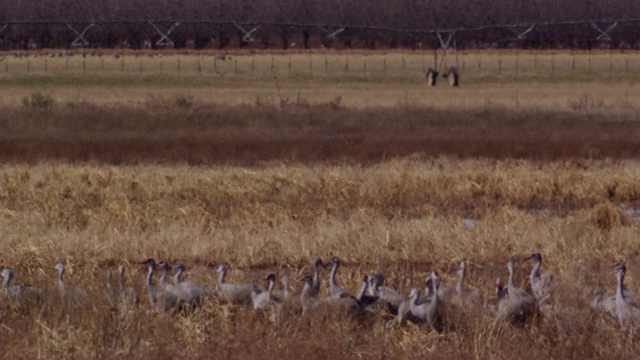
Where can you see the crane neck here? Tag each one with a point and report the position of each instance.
(150, 275)
(334, 270)
(223, 274)
(535, 271)
(177, 278)
(510, 285)
(163, 278)
(620, 289)
(304, 295)
(461, 277)
(434, 288)
(271, 284)
(60, 274)
(6, 282)
(363, 290)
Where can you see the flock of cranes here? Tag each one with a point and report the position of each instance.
(513, 305)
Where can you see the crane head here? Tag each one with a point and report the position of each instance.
(537, 257)
(271, 277)
(148, 261)
(620, 266)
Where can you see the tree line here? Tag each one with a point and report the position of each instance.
(122, 23)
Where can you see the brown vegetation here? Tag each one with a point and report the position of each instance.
(247, 135)
(402, 217)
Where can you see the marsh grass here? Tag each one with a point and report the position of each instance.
(269, 182)
(402, 217)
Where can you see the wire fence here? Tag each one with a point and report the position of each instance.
(392, 64)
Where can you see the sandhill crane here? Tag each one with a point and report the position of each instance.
(165, 284)
(308, 300)
(71, 293)
(627, 310)
(235, 293)
(404, 310)
(517, 306)
(189, 291)
(262, 300)
(367, 302)
(159, 298)
(427, 310)
(312, 303)
(543, 285)
(452, 76)
(129, 294)
(431, 76)
(335, 290)
(18, 292)
(465, 296)
(386, 294)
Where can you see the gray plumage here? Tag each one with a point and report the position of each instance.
(189, 291)
(18, 293)
(627, 311)
(240, 294)
(160, 299)
(517, 306)
(73, 294)
(262, 300)
(465, 296)
(427, 310)
(335, 290)
(543, 286)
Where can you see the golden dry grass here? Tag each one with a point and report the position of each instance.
(401, 217)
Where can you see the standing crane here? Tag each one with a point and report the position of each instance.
(159, 297)
(73, 294)
(18, 293)
(465, 296)
(335, 290)
(237, 293)
(262, 300)
(627, 310)
(191, 292)
(543, 285)
(517, 306)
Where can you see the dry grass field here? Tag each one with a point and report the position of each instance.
(270, 181)
(565, 80)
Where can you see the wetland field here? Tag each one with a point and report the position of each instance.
(264, 162)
